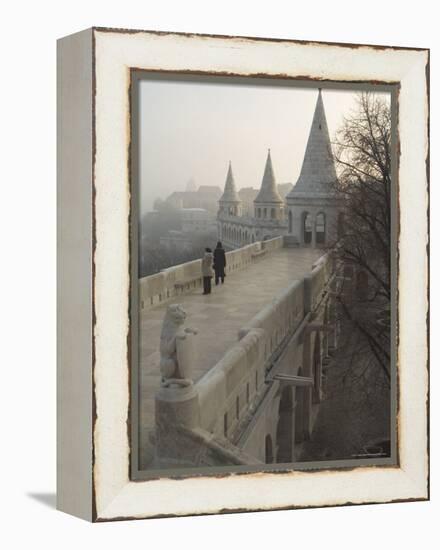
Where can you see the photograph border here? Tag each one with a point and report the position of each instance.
(136, 77)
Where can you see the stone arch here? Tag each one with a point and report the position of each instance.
(306, 227)
(265, 213)
(268, 449)
(320, 228)
(285, 426)
(290, 222)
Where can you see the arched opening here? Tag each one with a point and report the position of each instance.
(258, 212)
(307, 228)
(317, 370)
(265, 213)
(285, 427)
(253, 238)
(290, 222)
(272, 213)
(320, 228)
(341, 224)
(268, 450)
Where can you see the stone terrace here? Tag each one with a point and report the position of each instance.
(218, 317)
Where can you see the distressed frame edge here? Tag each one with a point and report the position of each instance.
(74, 274)
(424, 497)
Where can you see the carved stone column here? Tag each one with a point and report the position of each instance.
(175, 408)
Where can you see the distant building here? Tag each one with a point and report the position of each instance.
(307, 213)
(206, 197)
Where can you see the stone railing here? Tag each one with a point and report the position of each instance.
(230, 389)
(174, 281)
(227, 391)
(273, 244)
(222, 401)
(279, 318)
(316, 281)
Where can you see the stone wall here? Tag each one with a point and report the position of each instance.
(315, 282)
(173, 281)
(236, 401)
(228, 393)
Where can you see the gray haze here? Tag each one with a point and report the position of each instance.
(191, 130)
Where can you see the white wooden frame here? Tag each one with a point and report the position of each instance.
(93, 282)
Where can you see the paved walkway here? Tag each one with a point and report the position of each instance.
(218, 317)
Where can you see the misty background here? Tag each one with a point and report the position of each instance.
(190, 130)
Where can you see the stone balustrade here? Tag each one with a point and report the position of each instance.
(279, 318)
(225, 398)
(227, 391)
(230, 389)
(316, 281)
(173, 281)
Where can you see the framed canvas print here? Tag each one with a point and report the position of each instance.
(242, 274)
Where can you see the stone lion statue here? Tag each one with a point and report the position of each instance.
(176, 348)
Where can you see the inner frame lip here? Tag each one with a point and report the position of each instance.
(137, 75)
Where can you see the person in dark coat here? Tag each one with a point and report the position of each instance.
(219, 263)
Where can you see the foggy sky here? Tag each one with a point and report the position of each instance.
(192, 130)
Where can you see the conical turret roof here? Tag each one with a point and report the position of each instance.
(230, 193)
(318, 172)
(268, 192)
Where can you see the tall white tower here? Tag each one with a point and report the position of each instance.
(313, 204)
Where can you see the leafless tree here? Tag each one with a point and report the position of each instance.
(363, 157)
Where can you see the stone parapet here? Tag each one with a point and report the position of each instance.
(316, 282)
(173, 281)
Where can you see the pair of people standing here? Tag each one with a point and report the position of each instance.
(213, 265)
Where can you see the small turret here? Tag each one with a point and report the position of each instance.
(318, 172)
(230, 202)
(269, 203)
